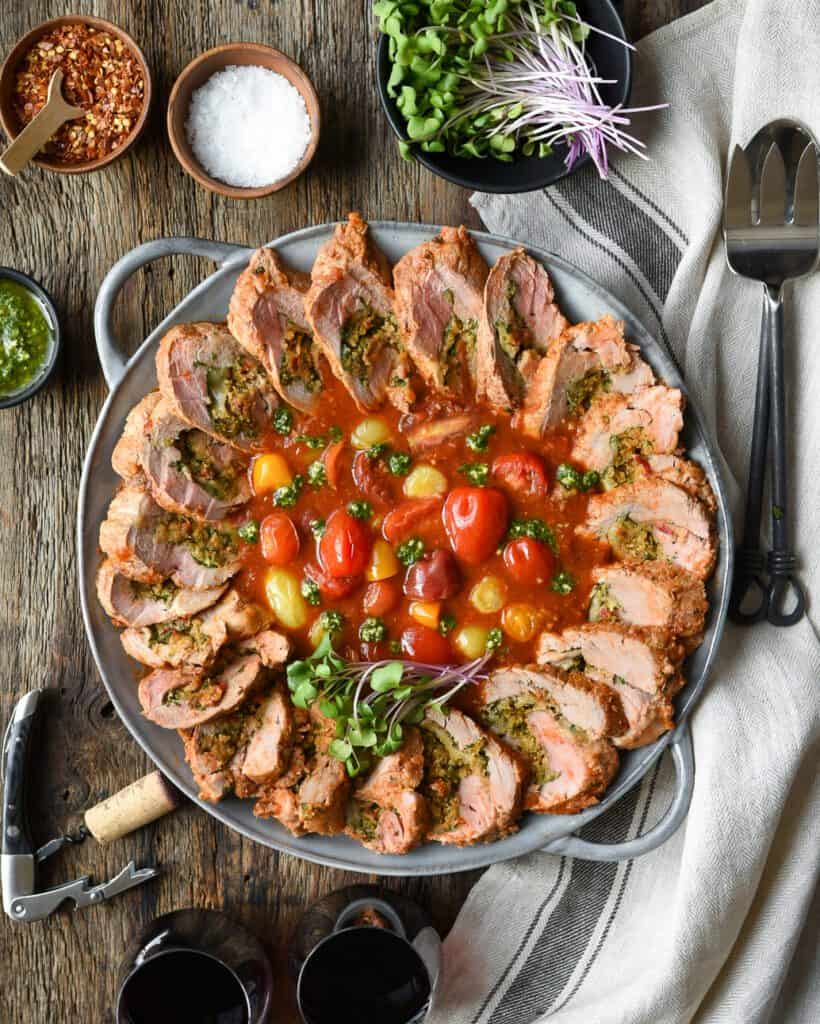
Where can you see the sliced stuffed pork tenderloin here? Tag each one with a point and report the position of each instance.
(642, 666)
(520, 320)
(585, 360)
(561, 723)
(349, 307)
(439, 288)
(130, 602)
(473, 782)
(212, 383)
(267, 317)
(126, 458)
(651, 519)
(198, 639)
(150, 545)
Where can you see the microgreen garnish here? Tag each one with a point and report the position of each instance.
(317, 474)
(283, 420)
(249, 532)
(480, 440)
(360, 509)
(563, 583)
(410, 551)
(537, 529)
(476, 472)
(311, 592)
(572, 479)
(287, 496)
(370, 701)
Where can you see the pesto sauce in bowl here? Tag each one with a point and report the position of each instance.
(27, 336)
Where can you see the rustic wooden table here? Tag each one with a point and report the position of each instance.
(66, 232)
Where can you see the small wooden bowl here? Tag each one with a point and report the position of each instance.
(8, 118)
(198, 72)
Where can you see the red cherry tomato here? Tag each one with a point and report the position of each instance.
(529, 561)
(475, 519)
(411, 517)
(345, 545)
(523, 473)
(334, 588)
(381, 597)
(420, 643)
(278, 539)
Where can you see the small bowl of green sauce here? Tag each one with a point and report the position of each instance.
(29, 337)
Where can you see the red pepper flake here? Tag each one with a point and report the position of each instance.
(100, 74)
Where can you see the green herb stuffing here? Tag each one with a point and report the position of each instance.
(633, 540)
(364, 335)
(296, 364)
(580, 392)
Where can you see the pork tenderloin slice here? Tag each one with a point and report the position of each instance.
(268, 751)
(349, 307)
(395, 828)
(617, 427)
(648, 659)
(266, 315)
(586, 359)
(190, 472)
(280, 799)
(147, 543)
(651, 519)
(396, 772)
(586, 704)
(438, 301)
(131, 603)
(323, 796)
(649, 715)
(196, 641)
(655, 594)
(126, 459)
(183, 698)
(519, 321)
(487, 797)
(272, 647)
(213, 384)
(210, 772)
(685, 474)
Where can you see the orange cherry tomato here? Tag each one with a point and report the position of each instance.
(344, 548)
(413, 516)
(278, 539)
(420, 643)
(381, 597)
(523, 473)
(529, 561)
(475, 519)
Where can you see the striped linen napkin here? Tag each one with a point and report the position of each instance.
(718, 924)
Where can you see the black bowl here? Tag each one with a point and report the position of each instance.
(526, 173)
(46, 370)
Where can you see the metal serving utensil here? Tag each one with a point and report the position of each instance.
(19, 859)
(772, 235)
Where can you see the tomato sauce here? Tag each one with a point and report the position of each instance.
(370, 479)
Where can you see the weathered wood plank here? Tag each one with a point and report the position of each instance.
(67, 231)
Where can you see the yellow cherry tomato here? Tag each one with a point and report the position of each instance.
(488, 595)
(373, 430)
(426, 613)
(284, 593)
(424, 481)
(383, 562)
(472, 641)
(270, 471)
(520, 621)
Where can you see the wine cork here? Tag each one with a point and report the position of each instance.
(143, 801)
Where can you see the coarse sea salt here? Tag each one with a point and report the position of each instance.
(248, 126)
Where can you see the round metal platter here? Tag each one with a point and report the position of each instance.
(581, 299)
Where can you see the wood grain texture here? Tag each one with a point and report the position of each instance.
(66, 232)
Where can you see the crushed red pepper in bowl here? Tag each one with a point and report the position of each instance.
(103, 73)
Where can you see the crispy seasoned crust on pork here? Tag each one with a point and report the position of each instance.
(652, 518)
(212, 383)
(267, 317)
(188, 471)
(131, 603)
(651, 594)
(587, 358)
(618, 426)
(126, 459)
(685, 474)
(182, 698)
(196, 641)
(148, 544)
(519, 321)
(438, 302)
(349, 307)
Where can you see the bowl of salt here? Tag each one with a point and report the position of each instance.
(243, 120)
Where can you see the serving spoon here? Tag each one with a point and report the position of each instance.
(39, 130)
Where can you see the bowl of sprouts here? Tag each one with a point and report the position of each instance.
(506, 95)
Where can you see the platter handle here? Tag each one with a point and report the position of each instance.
(684, 761)
(111, 357)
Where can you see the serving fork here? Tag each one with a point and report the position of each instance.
(772, 235)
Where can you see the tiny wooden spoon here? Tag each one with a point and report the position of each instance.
(40, 129)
